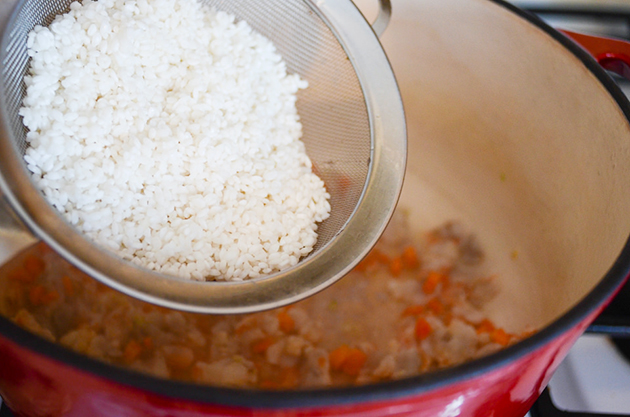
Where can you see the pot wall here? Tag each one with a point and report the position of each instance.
(511, 132)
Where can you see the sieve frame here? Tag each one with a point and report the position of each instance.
(320, 270)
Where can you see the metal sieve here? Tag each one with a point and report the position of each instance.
(354, 132)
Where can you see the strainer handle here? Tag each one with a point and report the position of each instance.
(384, 15)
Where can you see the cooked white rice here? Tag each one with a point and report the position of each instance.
(168, 133)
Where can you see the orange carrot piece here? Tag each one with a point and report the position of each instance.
(354, 362)
(430, 284)
(396, 267)
(500, 336)
(289, 377)
(423, 329)
(132, 351)
(338, 356)
(179, 358)
(21, 275)
(363, 265)
(435, 306)
(50, 297)
(197, 373)
(68, 286)
(36, 295)
(321, 361)
(374, 257)
(485, 326)
(268, 384)
(410, 258)
(34, 265)
(344, 183)
(527, 334)
(286, 322)
(445, 281)
(262, 345)
(413, 310)
(147, 343)
(447, 317)
(381, 257)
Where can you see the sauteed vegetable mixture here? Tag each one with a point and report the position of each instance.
(413, 305)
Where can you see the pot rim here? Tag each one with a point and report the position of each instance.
(384, 391)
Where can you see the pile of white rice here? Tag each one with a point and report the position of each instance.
(168, 133)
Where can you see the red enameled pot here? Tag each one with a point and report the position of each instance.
(513, 128)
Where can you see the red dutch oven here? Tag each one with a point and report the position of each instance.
(513, 128)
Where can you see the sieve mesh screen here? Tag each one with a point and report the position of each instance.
(333, 112)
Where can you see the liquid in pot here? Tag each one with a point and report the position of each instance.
(413, 305)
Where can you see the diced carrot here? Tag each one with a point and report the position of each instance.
(344, 183)
(364, 265)
(354, 362)
(435, 306)
(527, 334)
(381, 257)
(268, 384)
(68, 286)
(321, 361)
(147, 343)
(447, 317)
(132, 351)
(289, 377)
(413, 310)
(446, 283)
(500, 336)
(197, 373)
(21, 275)
(34, 265)
(372, 258)
(338, 356)
(36, 295)
(423, 329)
(485, 326)
(286, 322)
(430, 284)
(262, 345)
(50, 297)
(396, 267)
(410, 258)
(179, 358)
(347, 360)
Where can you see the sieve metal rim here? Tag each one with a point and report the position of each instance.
(362, 230)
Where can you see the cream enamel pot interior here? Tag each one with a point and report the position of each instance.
(510, 131)
(513, 129)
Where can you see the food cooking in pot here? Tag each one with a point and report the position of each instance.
(413, 305)
(168, 133)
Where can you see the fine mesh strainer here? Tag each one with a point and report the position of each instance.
(354, 131)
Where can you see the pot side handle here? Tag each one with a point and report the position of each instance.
(383, 18)
(612, 54)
